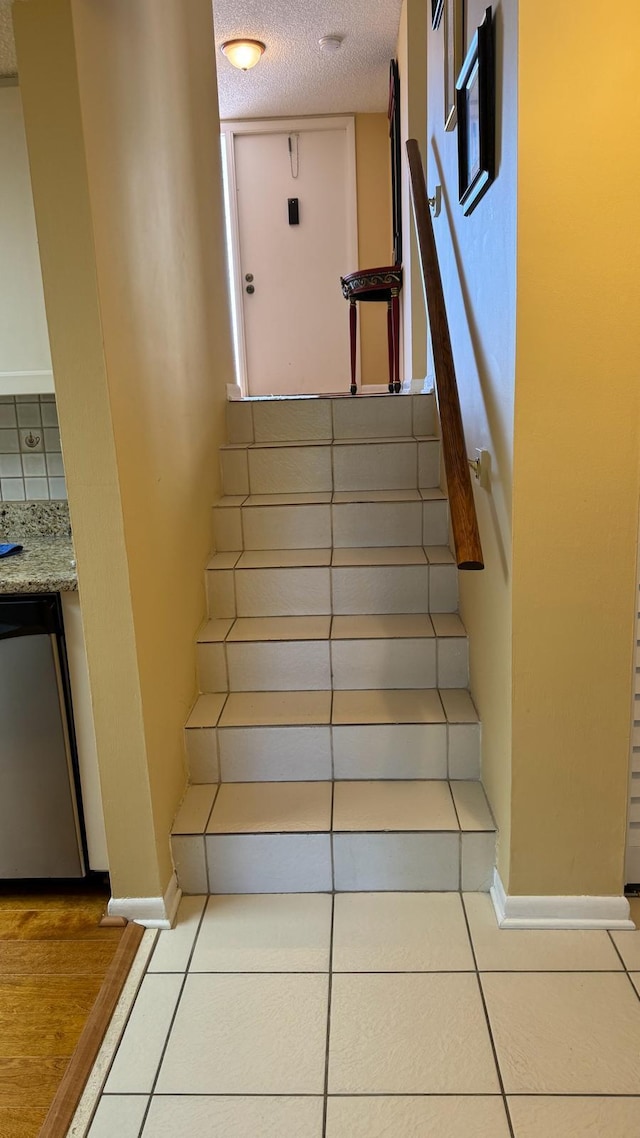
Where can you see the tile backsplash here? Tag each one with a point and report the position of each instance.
(31, 467)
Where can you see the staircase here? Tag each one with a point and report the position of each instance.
(335, 744)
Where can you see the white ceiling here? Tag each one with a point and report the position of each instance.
(294, 77)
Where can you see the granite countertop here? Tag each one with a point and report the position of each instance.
(47, 561)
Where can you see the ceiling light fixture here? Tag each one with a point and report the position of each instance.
(330, 43)
(243, 54)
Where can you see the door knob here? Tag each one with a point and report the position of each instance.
(250, 289)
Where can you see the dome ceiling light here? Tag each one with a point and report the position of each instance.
(243, 54)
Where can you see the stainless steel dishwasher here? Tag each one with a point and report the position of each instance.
(40, 829)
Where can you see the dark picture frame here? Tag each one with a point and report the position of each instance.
(475, 109)
(437, 8)
(395, 137)
(453, 49)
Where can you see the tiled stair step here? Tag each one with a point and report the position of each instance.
(323, 467)
(292, 736)
(325, 418)
(345, 582)
(344, 652)
(348, 836)
(340, 519)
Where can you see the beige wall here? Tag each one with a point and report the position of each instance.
(412, 66)
(123, 138)
(373, 172)
(478, 264)
(551, 391)
(577, 447)
(24, 346)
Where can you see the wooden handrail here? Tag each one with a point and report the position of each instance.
(464, 521)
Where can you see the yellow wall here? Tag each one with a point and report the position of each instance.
(373, 172)
(577, 446)
(412, 66)
(123, 139)
(550, 389)
(478, 263)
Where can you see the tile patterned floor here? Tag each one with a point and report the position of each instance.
(393, 1015)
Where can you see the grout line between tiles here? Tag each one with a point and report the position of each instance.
(617, 950)
(284, 833)
(333, 874)
(367, 1094)
(211, 810)
(455, 810)
(486, 1016)
(381, 972)
(206, 858)
(627, 970)
(175, 1012)
(329, 996)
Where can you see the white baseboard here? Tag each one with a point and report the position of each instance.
(409, 386)
(382, 388)
(420, 386)
(26, 382)
(558, 912)
(152, 912)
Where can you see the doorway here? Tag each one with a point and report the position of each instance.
(292, 232)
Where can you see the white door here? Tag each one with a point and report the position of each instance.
(296, 338)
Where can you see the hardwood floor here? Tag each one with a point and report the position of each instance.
(53, 960)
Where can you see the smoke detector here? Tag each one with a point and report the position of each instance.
(330, 43)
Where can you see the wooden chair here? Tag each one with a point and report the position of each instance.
(382, 284)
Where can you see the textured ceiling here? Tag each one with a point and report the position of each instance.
(294, 77)
(7, 47)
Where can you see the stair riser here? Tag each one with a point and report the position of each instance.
(299, 754)
(371, 524)
(296, 527)
(293, 665)
(345, 591)
(383, 664)
(293, 420)
(361, 862)
(318, 665)
(346, 525)
(324, 468)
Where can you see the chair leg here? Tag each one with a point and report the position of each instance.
(353, 327)
(390, 342)
(395, 321)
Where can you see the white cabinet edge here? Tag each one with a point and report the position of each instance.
(85, 733)
(26, 383)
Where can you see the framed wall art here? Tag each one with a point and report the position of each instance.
(436, 12)
(395, 136)
(475, 108)
(453, 41)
